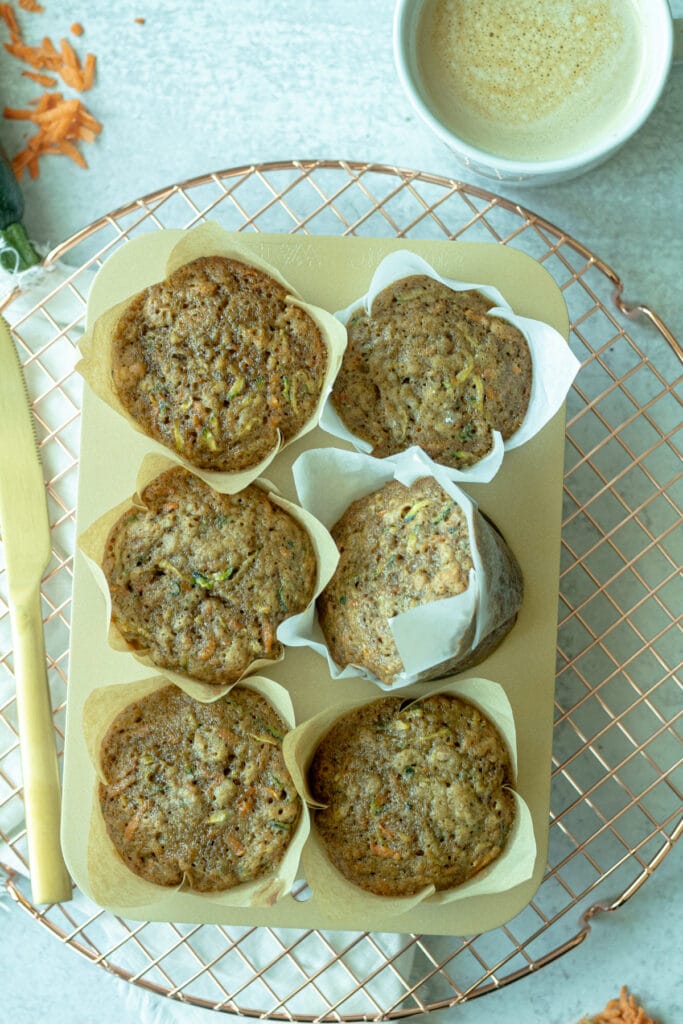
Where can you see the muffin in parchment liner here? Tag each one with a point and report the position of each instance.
(409, 802)
(191, 796)
(220, 365)
(446, 366)
(198, 584)
(425, 586)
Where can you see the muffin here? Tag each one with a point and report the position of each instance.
(399, 548)
(200, 581)
(413, 796)
(428, 366)
(198, 793)
(213, 361)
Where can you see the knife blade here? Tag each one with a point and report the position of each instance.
(26, 539)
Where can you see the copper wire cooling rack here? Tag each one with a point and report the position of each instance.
(616, 783)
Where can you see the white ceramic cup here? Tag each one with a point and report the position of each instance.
(660, 32)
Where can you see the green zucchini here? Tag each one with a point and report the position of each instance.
(16, 251)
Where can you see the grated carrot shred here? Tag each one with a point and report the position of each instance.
(69, 55)
(60, 123)
(47, 81)
(8, 16)
(64, 61)
(624, 1010)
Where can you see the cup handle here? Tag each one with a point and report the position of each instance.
(678, 41)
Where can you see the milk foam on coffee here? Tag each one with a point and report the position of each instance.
(528, 79)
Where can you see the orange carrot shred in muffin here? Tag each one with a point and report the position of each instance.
(77, 28)
(32, 6)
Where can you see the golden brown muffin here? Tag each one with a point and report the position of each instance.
(214, 360)
(198, 793)
(202, 580)
(412, 797)
(401, 547)
(429, 367)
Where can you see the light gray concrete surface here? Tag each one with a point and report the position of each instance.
(204, 86)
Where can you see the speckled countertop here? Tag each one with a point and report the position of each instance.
(205, 86)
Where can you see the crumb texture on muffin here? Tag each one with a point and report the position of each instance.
(428, 366)
(198, 793)
(399, 547)
(201, 580)
(214, 360)
(414, 796)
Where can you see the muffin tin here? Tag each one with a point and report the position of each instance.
(524, 499)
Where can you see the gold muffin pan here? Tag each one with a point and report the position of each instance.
(524, 500)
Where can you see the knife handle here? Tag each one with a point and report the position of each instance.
(50, 882)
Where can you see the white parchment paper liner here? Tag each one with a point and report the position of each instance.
(208, 239)
(433, 638)
(93, 541)
(340, 898)
(554, 366)
(112, 882)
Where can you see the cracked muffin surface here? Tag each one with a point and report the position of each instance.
(198, 793)
(399, 548)
(428, 366)
(201, 580)
(213, 361)
(414, 796)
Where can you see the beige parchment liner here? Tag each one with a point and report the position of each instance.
(339, 897)
(554, 365)
(434, 639)
(92, 543)
(208, 239)
(111, 881)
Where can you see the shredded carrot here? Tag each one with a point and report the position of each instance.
(68, 149)
(384, 851)
(47, 81)
(7, 14)
(133, 823)
(63, 62)
(69, 55)
(140, 21)
(60, 123)
(89, 71)
(624, 1010)
(235, 845)
(247, 803)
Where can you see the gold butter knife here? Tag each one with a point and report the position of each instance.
(26, 538)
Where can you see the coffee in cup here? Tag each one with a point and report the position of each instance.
(535, 89)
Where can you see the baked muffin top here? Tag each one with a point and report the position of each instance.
(399, 547)
(429, 367)
(202, 580)
(414, 795)
(198, 793)
(213, 361)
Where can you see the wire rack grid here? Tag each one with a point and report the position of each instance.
(616, 776)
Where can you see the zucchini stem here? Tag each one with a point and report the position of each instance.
(17, 252)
